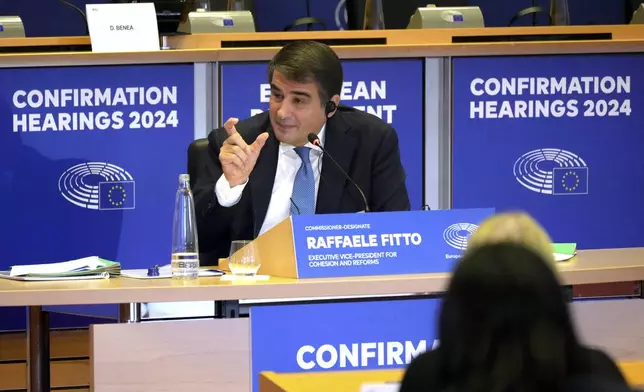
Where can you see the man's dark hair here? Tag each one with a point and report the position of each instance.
(309, 61)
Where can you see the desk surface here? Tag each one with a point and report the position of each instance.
(397, 44)
(590, 266)
(340, 381)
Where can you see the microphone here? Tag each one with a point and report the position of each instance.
(295, 205)
(315, 140)
(72, 6)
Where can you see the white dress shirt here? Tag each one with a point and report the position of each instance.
(288, 163)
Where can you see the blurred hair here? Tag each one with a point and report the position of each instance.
(505, 325)
(516, 227)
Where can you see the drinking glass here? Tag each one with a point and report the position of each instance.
(242, 260)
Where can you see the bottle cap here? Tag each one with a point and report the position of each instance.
(154, 271)
(184, 177)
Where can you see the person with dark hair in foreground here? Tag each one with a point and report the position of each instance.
(505, 326)
(263, 169)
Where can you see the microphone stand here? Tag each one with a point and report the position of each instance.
(313, 139)
(308, 13)
(70, 5)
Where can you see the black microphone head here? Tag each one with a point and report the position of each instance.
(313, 138)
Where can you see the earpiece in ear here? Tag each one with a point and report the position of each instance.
(330, 107)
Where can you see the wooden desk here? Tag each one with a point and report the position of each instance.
(351, 381)
(347, 381)
(396, 43)
(592, 266)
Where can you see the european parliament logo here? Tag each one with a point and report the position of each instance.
(552, 171)
(98, 186)
(456, 235)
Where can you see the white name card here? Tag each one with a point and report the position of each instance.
(384, 387)
(122, 27)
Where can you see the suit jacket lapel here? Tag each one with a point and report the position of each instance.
(262, 179)
(332, 182)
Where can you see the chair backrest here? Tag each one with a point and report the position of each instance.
(534, 11)
(308, 21)
(197, 153)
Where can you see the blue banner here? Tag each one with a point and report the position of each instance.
(90, 161)
(557, 136)
(340, 336)
(384, 243)
(389, 89)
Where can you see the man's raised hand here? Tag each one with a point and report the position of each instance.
(236, 156)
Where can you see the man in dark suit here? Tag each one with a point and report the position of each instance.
(263, 169)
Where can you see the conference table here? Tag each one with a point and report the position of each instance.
(425, 83)
(232, 369)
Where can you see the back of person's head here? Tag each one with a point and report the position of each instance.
(504, 324)
(309, 61)
(516, 227)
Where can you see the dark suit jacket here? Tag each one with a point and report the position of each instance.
(597, 369)
(364, 146)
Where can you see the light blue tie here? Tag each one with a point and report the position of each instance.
(303, 198)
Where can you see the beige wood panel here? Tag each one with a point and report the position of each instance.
(392, 37)
(63, 344)
(452, 50)
(87, 58)
(344, 52)
(613, 325)
(616, 326)
(43, 41)
(400, 43)
(63, 374)
(591, 266)
(402, 36)
(125, 290)
(190, 355)
(429, 42)
(603, 266)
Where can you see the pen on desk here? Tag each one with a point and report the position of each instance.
(216, 271)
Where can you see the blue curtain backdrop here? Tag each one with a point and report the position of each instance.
(51, 18)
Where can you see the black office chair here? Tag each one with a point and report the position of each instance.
(197, 153)
(308, 21)
(534, 11)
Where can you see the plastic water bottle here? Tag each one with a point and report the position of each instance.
(185, 247)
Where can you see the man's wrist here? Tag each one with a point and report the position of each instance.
(228, 195)
(238, 183)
